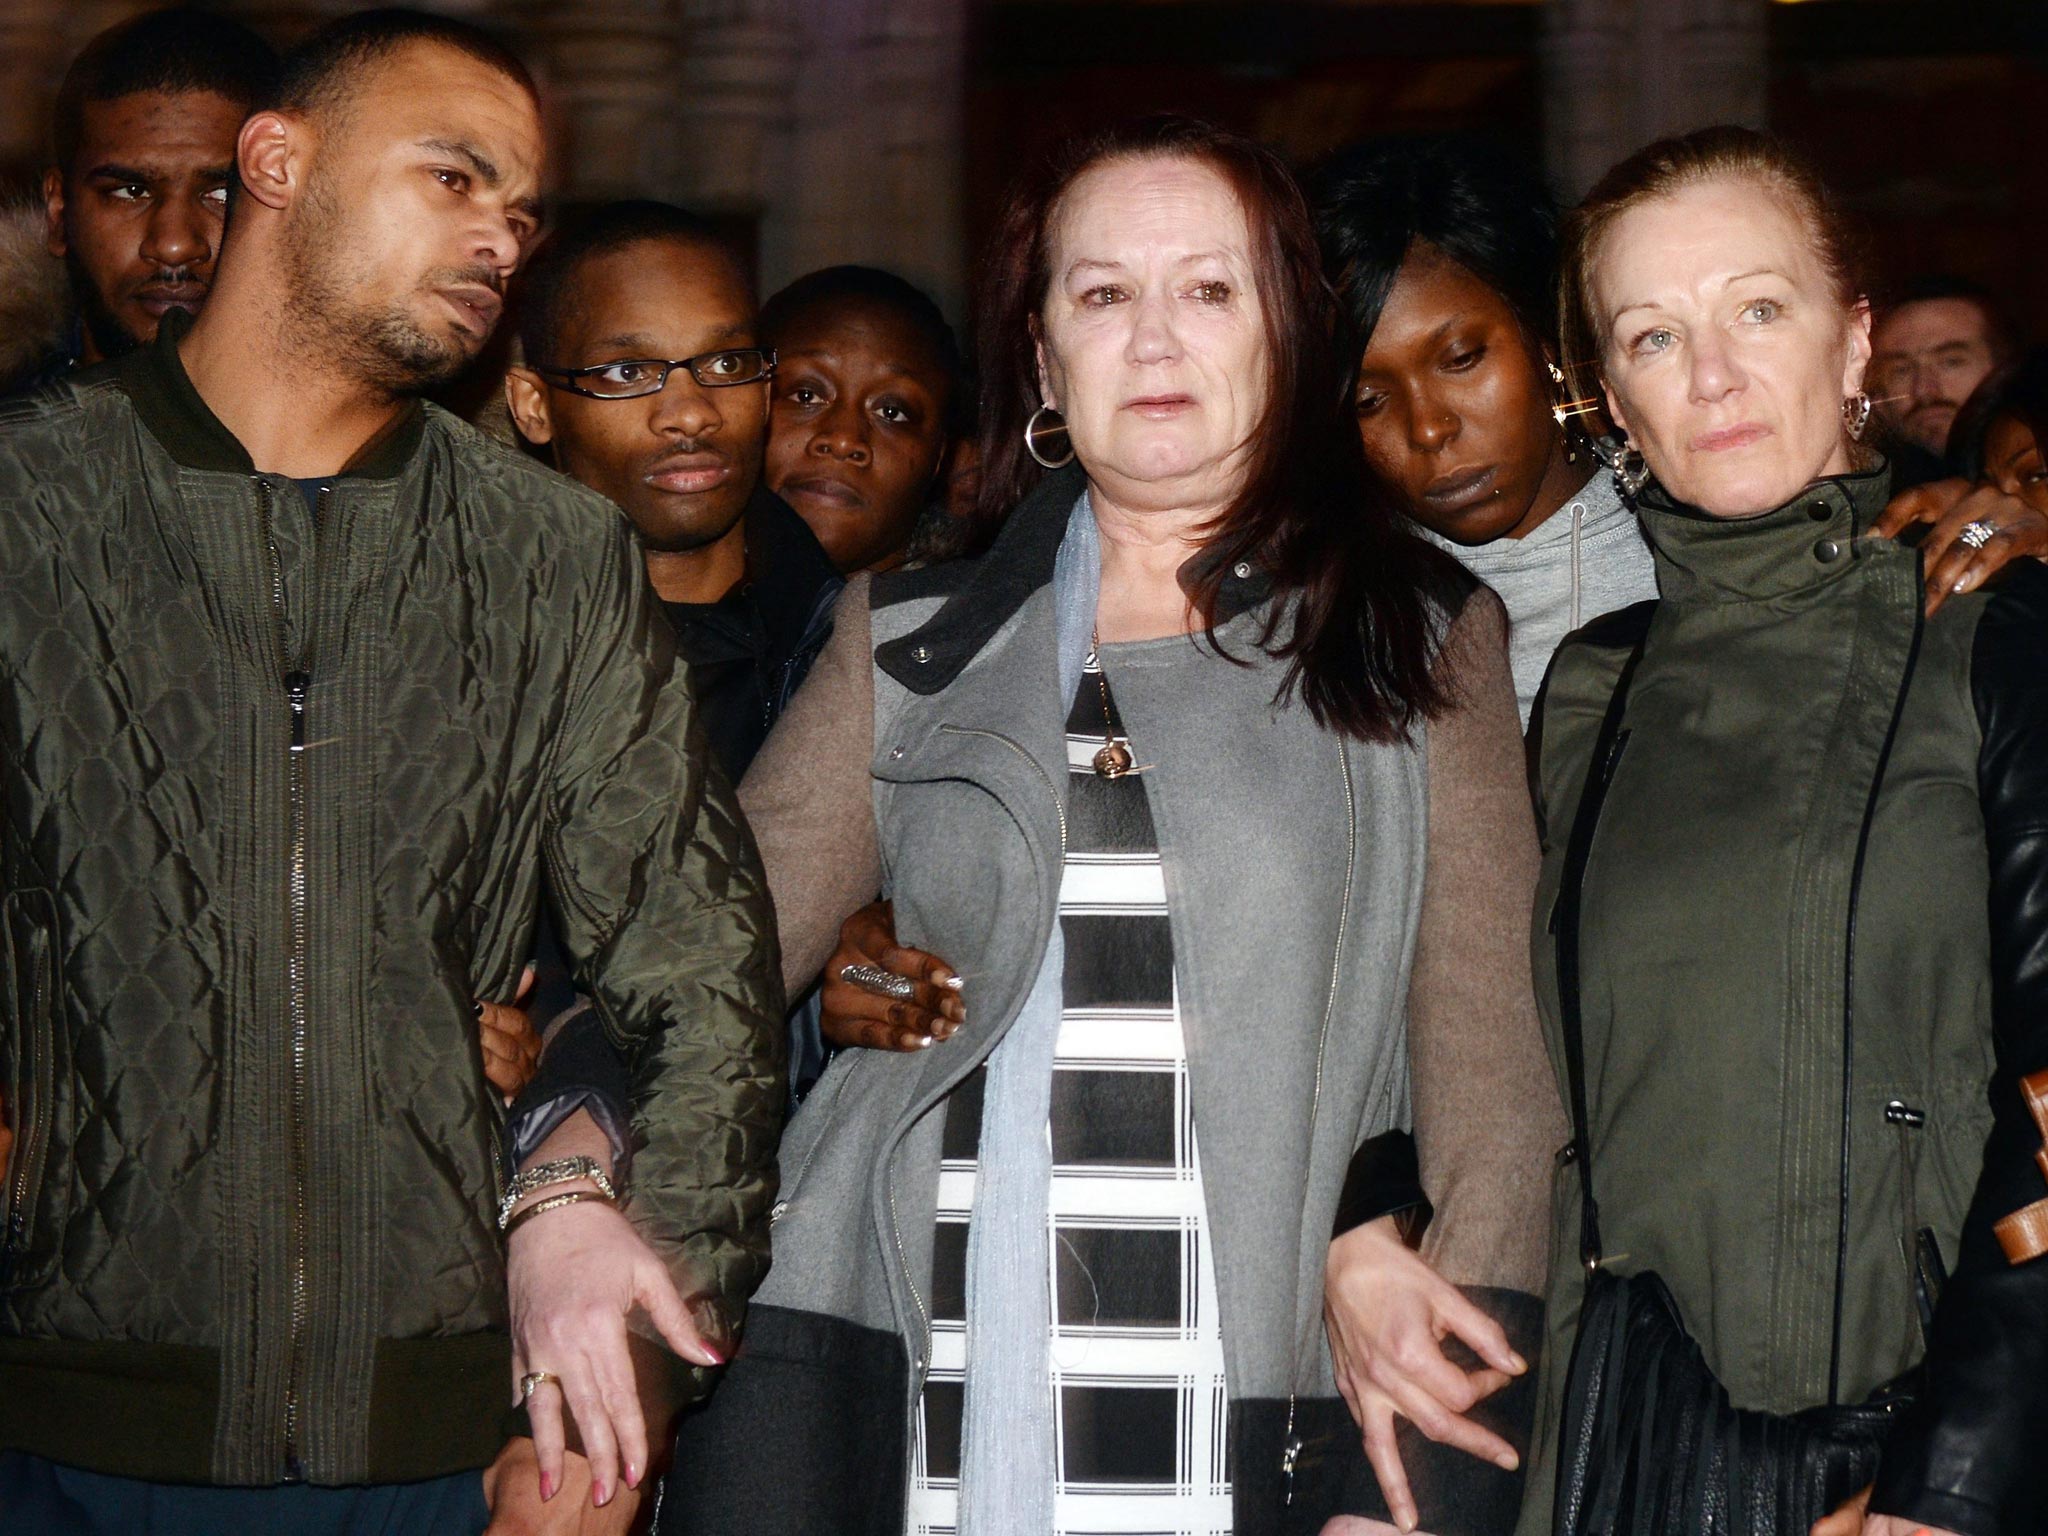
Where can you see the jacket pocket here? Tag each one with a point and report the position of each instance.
(29, 1228)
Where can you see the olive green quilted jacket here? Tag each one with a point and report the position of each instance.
(282, 790)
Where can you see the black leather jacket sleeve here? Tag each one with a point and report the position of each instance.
(1968, 1457)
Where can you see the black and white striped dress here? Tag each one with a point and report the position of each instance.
(1137, 1355)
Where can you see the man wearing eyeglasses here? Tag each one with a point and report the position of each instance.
(643, 377)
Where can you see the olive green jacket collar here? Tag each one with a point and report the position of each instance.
(1805, 545)
(154, 377)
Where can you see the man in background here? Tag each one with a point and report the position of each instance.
(645, 379)
(1929, 349)
(134, 198)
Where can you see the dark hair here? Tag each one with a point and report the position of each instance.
(320, 71)
(1465, 199)
(1369, 595)
(2001, 328)
(546, 293)
(175, 52)
(1662, 169)
(872, 285)
(2020, 391)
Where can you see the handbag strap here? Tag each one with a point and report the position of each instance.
(1564, 925)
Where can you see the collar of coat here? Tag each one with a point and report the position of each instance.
(983, 594)
(1812, 541)
(154, 378)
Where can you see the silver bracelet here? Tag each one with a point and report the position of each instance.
(872, 978)
(560, 1171)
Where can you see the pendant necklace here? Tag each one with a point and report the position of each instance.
(1113, 761)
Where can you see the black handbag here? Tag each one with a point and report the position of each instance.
(1650, 1444)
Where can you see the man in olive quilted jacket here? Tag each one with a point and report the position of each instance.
(309, 695)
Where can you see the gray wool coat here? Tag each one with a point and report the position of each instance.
(1348, 940)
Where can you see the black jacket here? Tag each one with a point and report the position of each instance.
(749, 650)
(1964, 1459)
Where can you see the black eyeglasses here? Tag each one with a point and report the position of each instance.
(637, 376)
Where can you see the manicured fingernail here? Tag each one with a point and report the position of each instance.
(632, 1475)
(924, 1041)
(954, 982)
(600, 1495)
(547, 1486)
(717, 1355)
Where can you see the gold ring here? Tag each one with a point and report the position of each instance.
(533, 1381)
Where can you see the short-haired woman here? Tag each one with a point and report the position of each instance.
(868, 385)
(1812, 913)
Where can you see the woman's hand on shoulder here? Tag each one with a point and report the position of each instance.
(1387, 1313)
(1947, 507)
(856, 1015)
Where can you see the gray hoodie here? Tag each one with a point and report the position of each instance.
(1587, 558)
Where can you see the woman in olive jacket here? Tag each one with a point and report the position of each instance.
(1814, 921)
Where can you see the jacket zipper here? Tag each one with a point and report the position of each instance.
(1058, 806)
(32, 1112)
(1291, 1445)
(297, 683)
(895, 1226)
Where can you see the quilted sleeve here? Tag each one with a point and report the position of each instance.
(664, 914)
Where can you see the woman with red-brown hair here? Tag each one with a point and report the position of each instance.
(1208, 778)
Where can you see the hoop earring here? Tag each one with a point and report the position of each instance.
(1561, 415)
(1630, 469)
(1041, 435)
(1856, 415)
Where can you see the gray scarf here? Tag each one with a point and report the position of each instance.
(1006, 1456)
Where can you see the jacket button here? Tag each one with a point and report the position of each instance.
(1827, 551)
(895, 753)
(921, 655)
(1242, 570)
(775, 1212)
(1819, 511)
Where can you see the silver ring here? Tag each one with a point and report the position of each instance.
(1977, 534)
(872, 978)
(533, 1381)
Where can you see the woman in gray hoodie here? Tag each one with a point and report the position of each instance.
(1444, 255)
